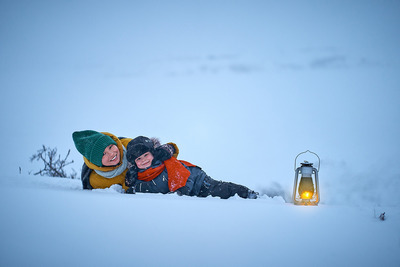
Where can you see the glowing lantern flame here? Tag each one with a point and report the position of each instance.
(306, 195)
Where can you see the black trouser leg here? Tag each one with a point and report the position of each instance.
(222, 189)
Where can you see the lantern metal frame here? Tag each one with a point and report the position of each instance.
(314, 200)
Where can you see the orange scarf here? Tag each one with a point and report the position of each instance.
(177, 173)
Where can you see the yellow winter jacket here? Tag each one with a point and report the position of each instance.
(98, 181)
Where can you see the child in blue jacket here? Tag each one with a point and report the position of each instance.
(152, 169)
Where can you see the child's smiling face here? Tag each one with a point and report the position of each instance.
(144, 161)
(111, 156)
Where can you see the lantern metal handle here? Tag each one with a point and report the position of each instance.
(319, 161)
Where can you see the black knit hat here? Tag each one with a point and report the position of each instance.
(138, 147)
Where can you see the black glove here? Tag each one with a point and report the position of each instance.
(131, 175)
(131, 190)
(164, 152)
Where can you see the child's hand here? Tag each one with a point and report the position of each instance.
(131, 190)
(164, 152)
(131, 175)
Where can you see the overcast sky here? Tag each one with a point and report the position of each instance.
(241, 86)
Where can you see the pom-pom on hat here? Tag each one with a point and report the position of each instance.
(138, 146)
(91, 145)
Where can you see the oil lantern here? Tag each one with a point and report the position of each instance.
(306, 191)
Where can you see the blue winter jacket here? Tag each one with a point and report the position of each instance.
(160, 183)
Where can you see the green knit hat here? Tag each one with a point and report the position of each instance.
(91, 145)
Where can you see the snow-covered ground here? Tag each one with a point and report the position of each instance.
(241, 87)
(53, 222)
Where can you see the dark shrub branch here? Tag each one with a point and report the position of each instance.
(53, 164)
